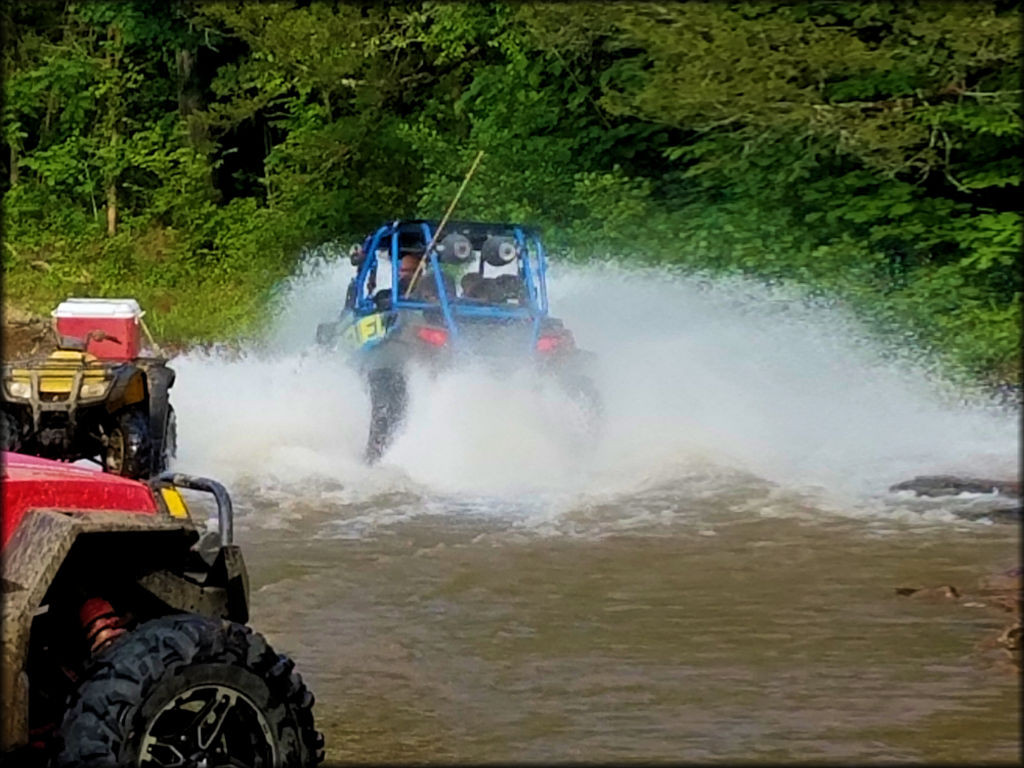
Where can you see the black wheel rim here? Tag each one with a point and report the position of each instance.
(212, 726)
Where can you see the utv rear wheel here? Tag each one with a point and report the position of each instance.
(128, 448)
(387, 409)
(189, 691)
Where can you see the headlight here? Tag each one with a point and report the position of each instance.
(93, 388)
(19, 389)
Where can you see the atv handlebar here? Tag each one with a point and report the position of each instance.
(225, 513)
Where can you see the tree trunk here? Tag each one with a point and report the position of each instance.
(114, 116)
(190, 104)
(190, 99)
(14, 165)
(112, 209)
(112, 195)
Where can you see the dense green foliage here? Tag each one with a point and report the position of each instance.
(186, 152)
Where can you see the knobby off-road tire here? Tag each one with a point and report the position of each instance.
(10, 439)
(128, 451)
(183, 689)
(388, 398)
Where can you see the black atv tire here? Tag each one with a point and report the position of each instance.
(128, 449)
(152, 692)
(10, 435)
(388, 398)
(170, 446)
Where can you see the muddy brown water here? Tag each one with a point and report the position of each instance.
(713, 579)
(699, 632)
(491, 593)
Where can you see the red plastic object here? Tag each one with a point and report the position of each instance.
(101, 624)
(553, 342)
(436, 337)
(33, 483)
(119, 319)
(94, 608)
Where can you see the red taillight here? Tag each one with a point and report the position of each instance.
(554, 342)
(436, 337)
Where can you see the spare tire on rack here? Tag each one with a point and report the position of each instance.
(188, 690)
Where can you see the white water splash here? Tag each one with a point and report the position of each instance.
(698, 377)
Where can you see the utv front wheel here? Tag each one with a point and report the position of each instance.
(127, 451)
(189, 691)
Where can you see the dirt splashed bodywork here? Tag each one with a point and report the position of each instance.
(100, 575)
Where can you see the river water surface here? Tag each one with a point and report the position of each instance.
(712, 579)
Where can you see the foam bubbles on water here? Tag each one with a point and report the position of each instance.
(723, 376)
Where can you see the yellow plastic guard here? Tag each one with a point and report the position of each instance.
(71, 355)
(175, 504)
(56, 374)
(369, 327)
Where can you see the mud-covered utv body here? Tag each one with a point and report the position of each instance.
(88, 399)
(124, 629)
(480, 292)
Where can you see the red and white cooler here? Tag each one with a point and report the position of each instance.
(119, 319)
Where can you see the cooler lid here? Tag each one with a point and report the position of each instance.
(98, 308)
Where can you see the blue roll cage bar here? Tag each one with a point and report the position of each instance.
(531, 263)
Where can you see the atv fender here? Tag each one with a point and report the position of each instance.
(224, 592)
(32, 558)
(129, 388)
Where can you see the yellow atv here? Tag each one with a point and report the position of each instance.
(72, 404)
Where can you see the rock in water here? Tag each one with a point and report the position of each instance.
(946, 591)
(951, 485)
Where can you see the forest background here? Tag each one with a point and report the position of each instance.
(189, 153)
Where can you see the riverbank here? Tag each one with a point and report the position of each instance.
(24, 333)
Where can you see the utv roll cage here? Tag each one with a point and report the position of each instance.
(493, 244)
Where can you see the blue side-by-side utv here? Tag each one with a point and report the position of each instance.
(475, 289)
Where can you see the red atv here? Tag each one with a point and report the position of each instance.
(124, 630)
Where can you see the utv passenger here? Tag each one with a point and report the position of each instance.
(406, 269)
(425, 288)
(407, 266)
(356, 257)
